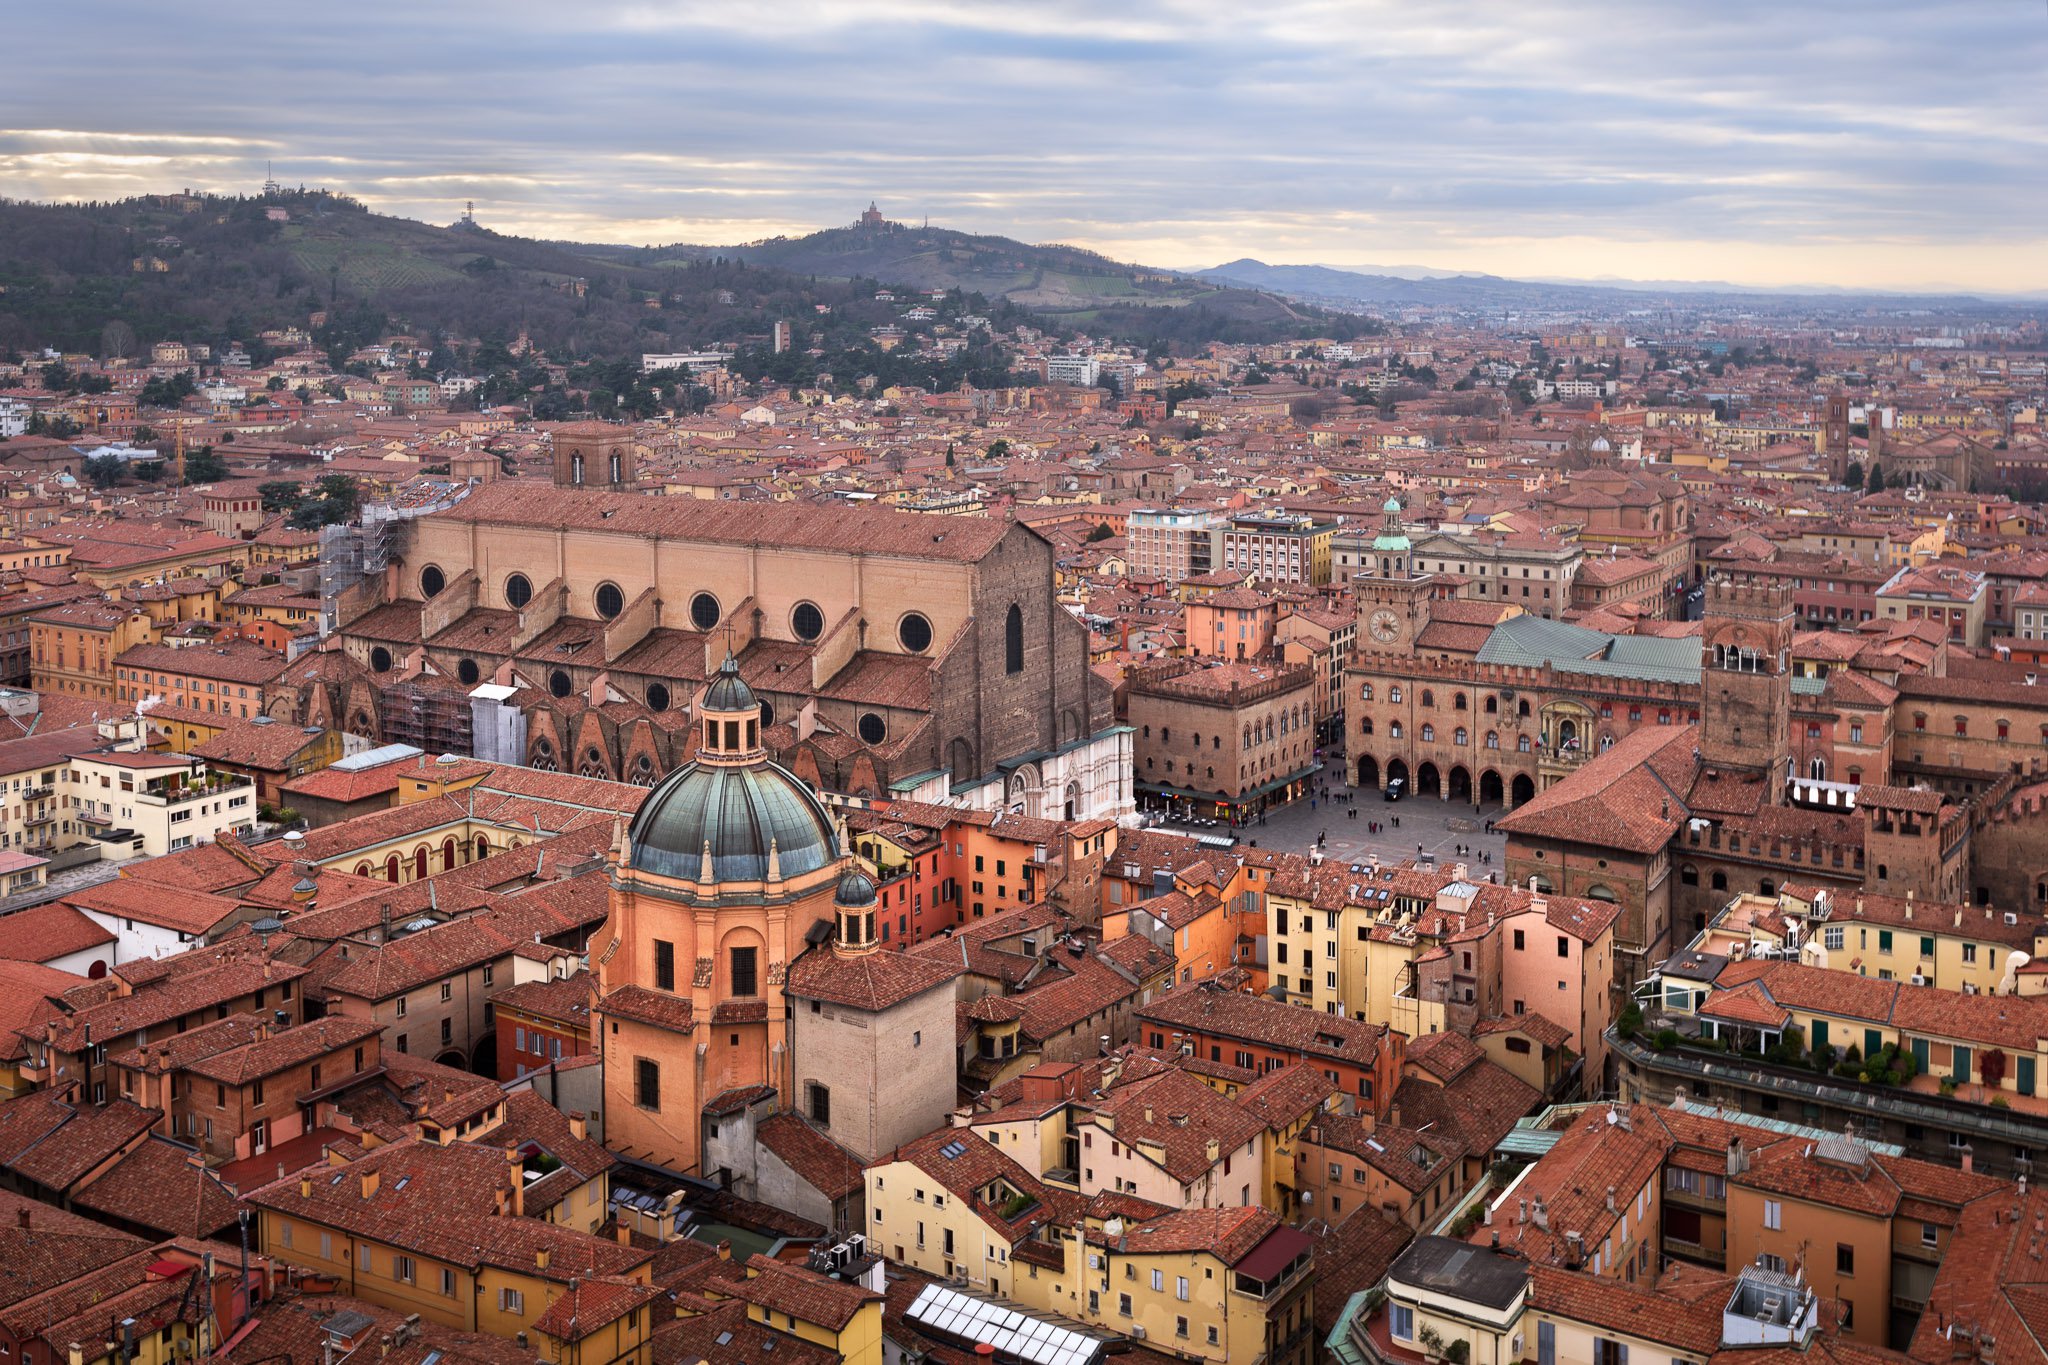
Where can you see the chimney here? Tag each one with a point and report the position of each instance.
(1574, 1251)
(23, 1218)
(1213, 1149)
(1610, 1199)
(579, 1126)
(372, 1181)
(724, 1249)
(517, 1176)
(1738, 1157)
(1521, 1211)
(540, 1259)
(305, 1187)
(1540, 1216)
(77, 1355)
(625, 1235)
(1969, 1156)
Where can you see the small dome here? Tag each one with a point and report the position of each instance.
(727, 692)
(1392, 505)
(739, 811)
(855, 890)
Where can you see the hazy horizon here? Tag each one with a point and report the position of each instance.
(1834, 145)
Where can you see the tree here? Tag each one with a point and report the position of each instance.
(998, 448)
(1876, 484)
(1102, 532)
(275, 384)
(278, 494)
(104, 471)
(949, 455)
(1852, 475)
(117, 341)
(1991, 1068)
(204, 466)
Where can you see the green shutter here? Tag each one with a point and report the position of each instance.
(2023, 1075)
(1820, 1034)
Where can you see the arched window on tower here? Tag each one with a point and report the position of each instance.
(1013, 640)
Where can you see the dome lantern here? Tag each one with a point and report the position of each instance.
(855, 901)
(730, 715)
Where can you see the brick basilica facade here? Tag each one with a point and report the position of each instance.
(571, 627)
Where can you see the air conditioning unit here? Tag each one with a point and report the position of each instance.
(1919, 980)
(1138, 1331)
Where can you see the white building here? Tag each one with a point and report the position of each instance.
(1072, 369)
(147, 805)
(14, 416)
(692, 361)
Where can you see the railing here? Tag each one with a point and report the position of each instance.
(1876, 1103)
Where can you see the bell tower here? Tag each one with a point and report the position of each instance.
(1746, 683)
(1835, 435)
(594, 455)
(1393, 600)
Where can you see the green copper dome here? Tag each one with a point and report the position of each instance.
(739, 811)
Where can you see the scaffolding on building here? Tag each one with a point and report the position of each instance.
(350, 554)
(430, 714)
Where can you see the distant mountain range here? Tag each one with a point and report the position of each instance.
(1420, 286)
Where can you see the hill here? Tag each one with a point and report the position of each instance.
(212, 268)
(207, 268)
(1066, 286)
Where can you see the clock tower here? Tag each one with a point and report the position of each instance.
(1392, 598)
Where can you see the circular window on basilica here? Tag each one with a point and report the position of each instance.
(914, 632)
(467, 671)
(380, 660)
(518, 591)
(657, 696)
(559, 684)
(432, 580)
(873, 729)
(705, 611)
(610, 601)
(767, 710)
(807, 621)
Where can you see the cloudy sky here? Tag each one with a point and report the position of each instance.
(1780, 142)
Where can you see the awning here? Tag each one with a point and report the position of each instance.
(1269, 1258)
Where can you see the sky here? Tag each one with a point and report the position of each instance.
(1789, 142)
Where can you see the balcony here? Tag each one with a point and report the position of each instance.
(42, 793)
(1837, 1098)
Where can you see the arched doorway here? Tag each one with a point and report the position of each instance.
(1397, 771)
(452, 1057)
(1368, 771)
(1428, 782)
(1523, 788)
(1490, 790)
(483, 1058)
(1461, 786)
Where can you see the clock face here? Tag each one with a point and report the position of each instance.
(1384, 626)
